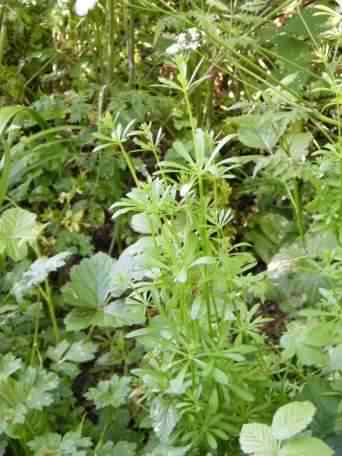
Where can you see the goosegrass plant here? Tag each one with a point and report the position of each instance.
(207, 365)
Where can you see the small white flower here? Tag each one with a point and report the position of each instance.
(82, 7)
(189, 40)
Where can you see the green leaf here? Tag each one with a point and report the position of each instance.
(53, 444)
(90, 292)
(335, 358)
(167, 450)
(320, 392)
(18, 229)
(140, 223)
(291, 419)
(38, 272)
(8, 365)
(306, 342)
(257, 439)
(32, 390)
(7, 114)
(77, 352)
(164, 419)
(38, 385)
(306, 446)
(122, 448)
(220, 376)
(263, 131)
(110, 393)
(241, 392)
(298, 145)
(81, 352)
(91, 282)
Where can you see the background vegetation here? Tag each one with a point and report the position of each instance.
(170, 227)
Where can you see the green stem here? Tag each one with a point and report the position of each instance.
(47, 296)
(191, 117)
(36, 335)
(130, 165)
(131, 47)
(110, 44)
(297, 204)
(6, 171)
(3, 28)
(209, 103)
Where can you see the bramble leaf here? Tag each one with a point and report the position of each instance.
(306, 446)
(291, 419)
(257, 439)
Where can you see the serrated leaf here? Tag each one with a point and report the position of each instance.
(122, 448)
(126, 312)
(71, 444)
(257, 439)
(113, 392)
(38, 384)
(18, 229)
(38, 272)
(263, 131)
(306, 446)
(32, 390)
(90, 292)
(8, 365)
(91, 282)
(81, 352)
(291, 419)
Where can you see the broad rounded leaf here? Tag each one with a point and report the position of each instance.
(257, 439)
(18, 228)
(306, 446)
(291, 419)
(91, 282)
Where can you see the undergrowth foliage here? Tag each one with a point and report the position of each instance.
(170, 228)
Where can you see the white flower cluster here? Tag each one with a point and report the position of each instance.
(189, 40)
(82, 7)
